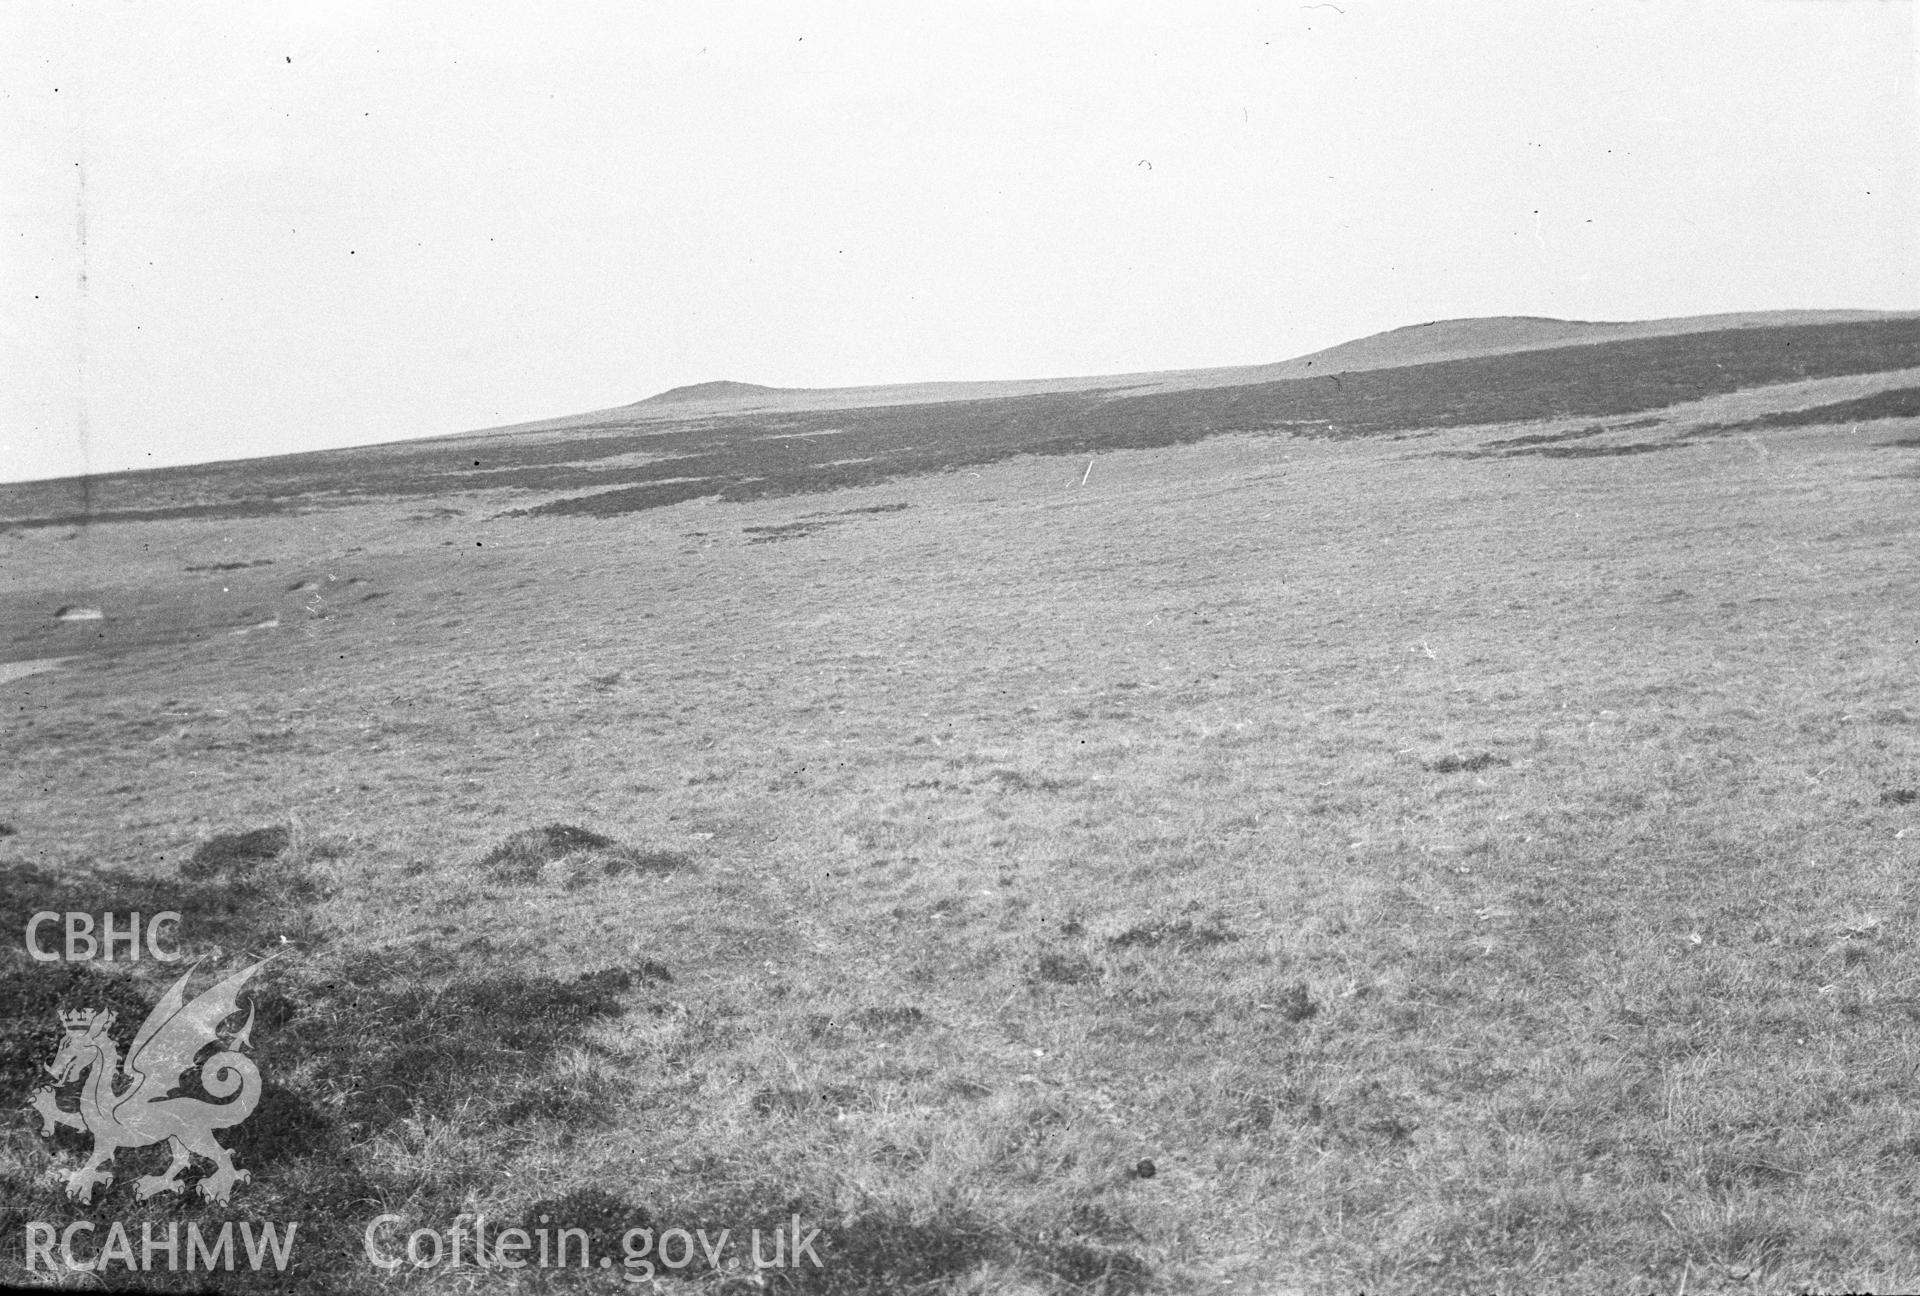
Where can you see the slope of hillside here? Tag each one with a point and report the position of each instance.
(1459, 339)
(630, 459)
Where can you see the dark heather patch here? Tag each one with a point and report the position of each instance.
(1458, 764)
(1546, 438)
(788, 531)
(1900, 402)
(427, 1051)
(895, 1018)
(1182, 934)
(1017, 781)
(1065, 969)
(1600, 452)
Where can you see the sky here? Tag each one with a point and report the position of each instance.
(236, 229)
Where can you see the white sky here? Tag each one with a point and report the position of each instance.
(324, 224)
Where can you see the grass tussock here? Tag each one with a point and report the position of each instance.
(583, 857)
(1182, 934)
(230, 853)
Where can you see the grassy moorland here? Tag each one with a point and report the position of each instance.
(1446, 863)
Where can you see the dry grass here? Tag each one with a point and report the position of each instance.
(1448, 874)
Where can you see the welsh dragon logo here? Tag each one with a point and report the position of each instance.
(146, 1110)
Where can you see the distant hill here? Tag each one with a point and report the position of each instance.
(761, 443)
(1460, 339)
(711, 391)
(1463, 339)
